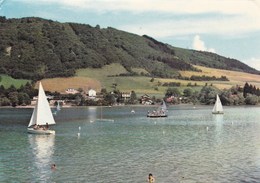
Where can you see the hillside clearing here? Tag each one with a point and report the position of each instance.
(62, 84)
(235, 78)
(7, 81)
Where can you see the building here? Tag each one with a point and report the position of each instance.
(126, 95)
(72, 91)
(92, 94)
(146, 100)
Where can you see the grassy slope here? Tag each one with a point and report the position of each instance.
(61, 84)
(7, 81)
(126, 84)
(236, 78)
(97, 78)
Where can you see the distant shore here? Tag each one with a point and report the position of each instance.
(132, 106)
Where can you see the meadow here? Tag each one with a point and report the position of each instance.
(108, 77)
(7, 81)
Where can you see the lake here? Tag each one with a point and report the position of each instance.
(189, 146)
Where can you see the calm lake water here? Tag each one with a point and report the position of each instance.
(191, 145)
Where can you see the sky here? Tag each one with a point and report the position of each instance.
(230, 28)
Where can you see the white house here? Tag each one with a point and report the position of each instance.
(92, 93)
(71, 91)
(126, 95)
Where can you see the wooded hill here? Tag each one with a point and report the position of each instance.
(35, 48)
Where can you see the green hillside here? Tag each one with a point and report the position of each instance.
(7, 81)
(35, 48)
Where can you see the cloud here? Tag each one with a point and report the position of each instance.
(175, 18)
(172, 6)
(253, 62)
(230, 26)
(199, 45)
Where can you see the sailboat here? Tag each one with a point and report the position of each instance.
(217, 109)
(42, 116)
(58, 106)
(161, 112)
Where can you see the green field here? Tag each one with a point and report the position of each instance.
(139, 84)
(7, 81)
(106, 78)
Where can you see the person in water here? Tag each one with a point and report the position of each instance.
(151, 178)
(53, 167)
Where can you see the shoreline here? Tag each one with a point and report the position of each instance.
(135, 105)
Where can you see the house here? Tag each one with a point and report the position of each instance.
(92, 94)
(72, 91)
(126, 95)
(146, 100)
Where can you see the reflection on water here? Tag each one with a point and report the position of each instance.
(92, 111)
(42, 147)
(218, 120)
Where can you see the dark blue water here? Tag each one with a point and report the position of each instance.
(191, 145)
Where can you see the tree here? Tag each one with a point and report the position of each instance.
(172, 92)
(226, 98)
(246, 90)
(103, 91)
(2, 90)
(11, 89)
(109, 99)
(194, 97)
(133, 98)
(23, 99)
(187, 92)
(79, 100)
(13, 97)
(4, 101)
(208, 95)
(251, 99)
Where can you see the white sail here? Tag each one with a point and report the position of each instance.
(42, 112)
(58, 106)
(217, 109)
(164, 107)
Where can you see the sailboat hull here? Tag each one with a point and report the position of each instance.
(43, 132)
(156, 116)
(218, 112)
(149, 116)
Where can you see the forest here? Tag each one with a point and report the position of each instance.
(35, 48)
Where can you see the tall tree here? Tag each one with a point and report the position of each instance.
(246, 89)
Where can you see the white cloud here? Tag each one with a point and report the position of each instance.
(253, 62)
(199, 45)
(227, 26)
(176, 6)
(235, 17)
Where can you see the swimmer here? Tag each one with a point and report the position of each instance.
(151, 178)
(53, 167)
